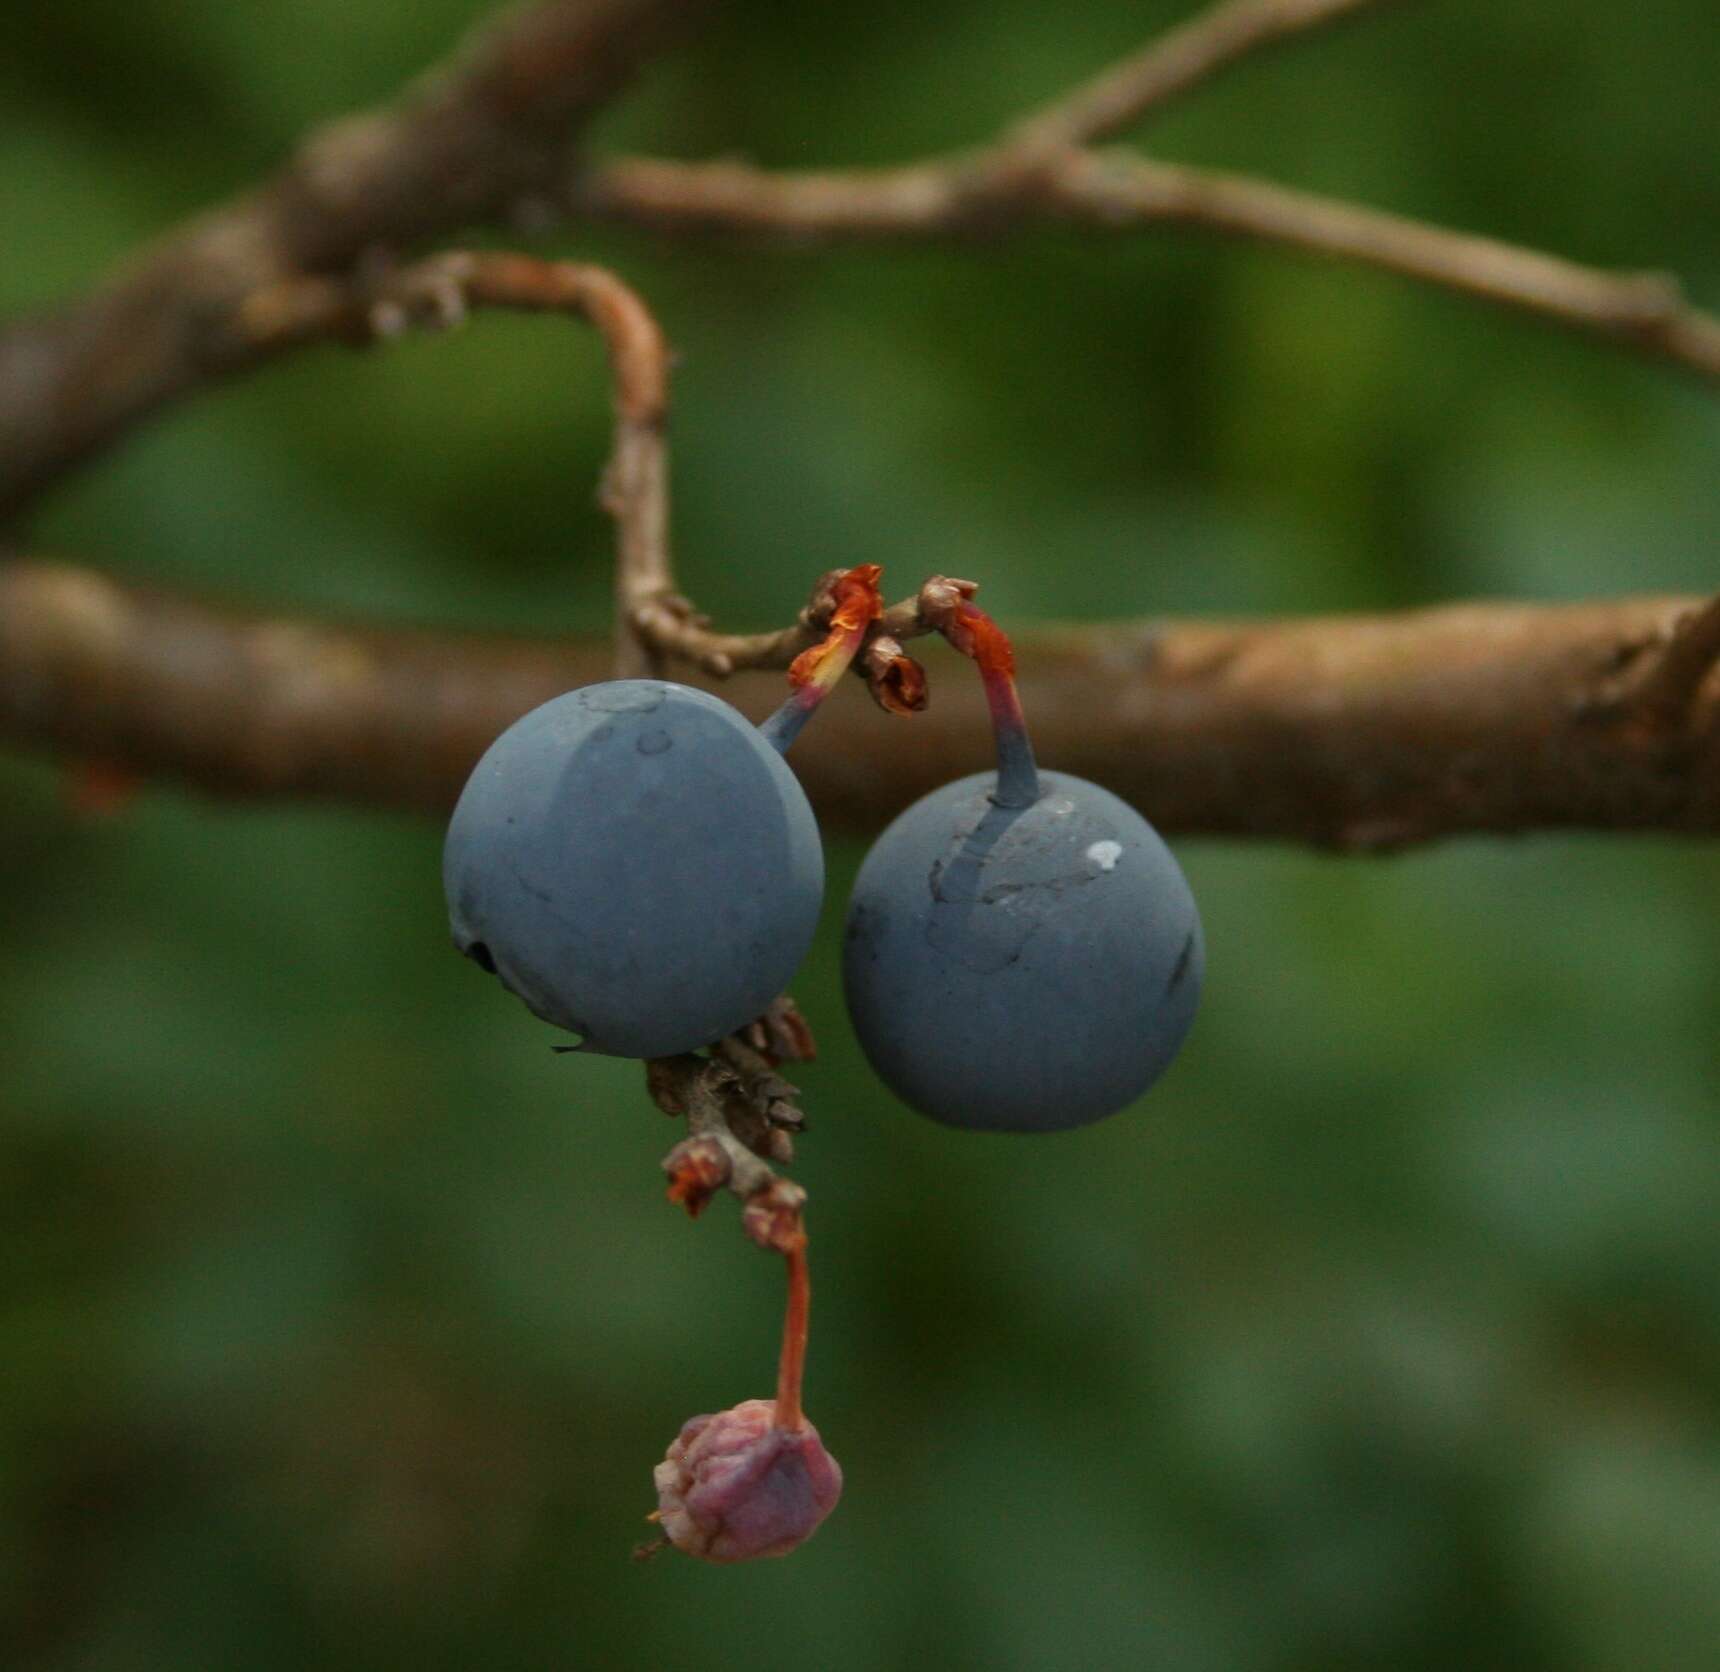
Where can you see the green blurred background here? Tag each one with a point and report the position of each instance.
(340, 1322)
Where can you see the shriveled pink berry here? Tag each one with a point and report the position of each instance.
(735, 1486)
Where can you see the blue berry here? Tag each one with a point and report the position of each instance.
(1021, 968)
(637, 864)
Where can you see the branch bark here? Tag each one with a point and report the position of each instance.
(1363, 732)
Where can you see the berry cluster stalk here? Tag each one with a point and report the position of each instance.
(791, 1367)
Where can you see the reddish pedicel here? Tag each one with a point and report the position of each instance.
(755, 1480)
(814, 673)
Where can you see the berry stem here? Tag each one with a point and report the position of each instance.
(791, 1366)
(976, 635)
(815, 673)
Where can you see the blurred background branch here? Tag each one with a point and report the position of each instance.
(467, 145)
(1177, 62)
(485, 140)
(990, 193)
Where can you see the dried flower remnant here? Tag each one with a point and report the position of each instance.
(736, 1485)
(755, 1480)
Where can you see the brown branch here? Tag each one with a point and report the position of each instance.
(1110, 192)
(1668, 699)
(1177, 62)
(1360, 732)
(484, 140)
(439, 292)
(653, 622)
(1645, 312)
(740, 1113)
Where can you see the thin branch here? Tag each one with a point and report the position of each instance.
(740, 1113)
(1359, 732)
(653, 622)
(1111, 192)
(1641, 311)
(1176, 63)
(438, 293)
(483, 140)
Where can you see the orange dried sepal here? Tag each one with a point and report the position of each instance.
(698, 1168)
(858, 603)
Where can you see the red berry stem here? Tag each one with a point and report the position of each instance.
(976, 635)
(791, 1367)
(815, 673)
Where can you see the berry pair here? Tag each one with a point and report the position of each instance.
(637, 863)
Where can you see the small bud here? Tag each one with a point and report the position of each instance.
(897, 682)
(735, 1486)
(698, 1168)
(816, 614)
